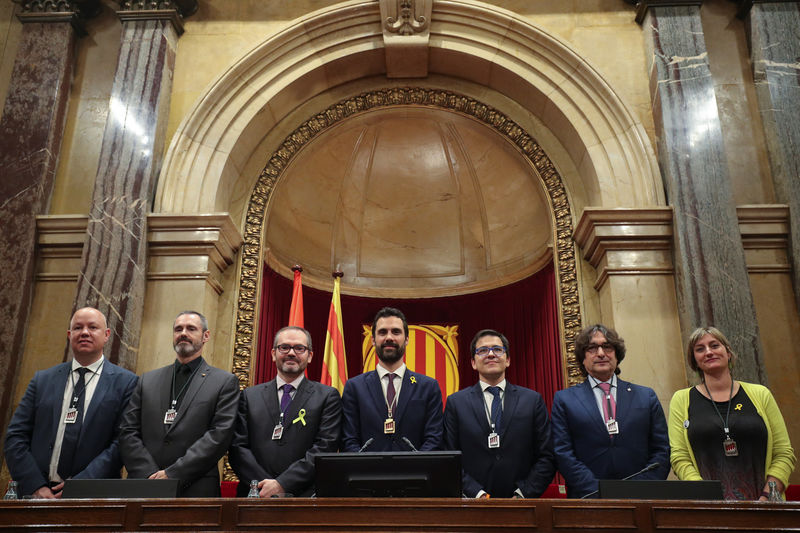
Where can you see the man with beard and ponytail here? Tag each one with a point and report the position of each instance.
(180, 420)
(285, 422)
(391, 408)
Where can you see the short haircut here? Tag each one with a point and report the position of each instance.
(487, 333)
(584, 339)
(295, 328)
(387, 312)
(203, 319)
(698, 334)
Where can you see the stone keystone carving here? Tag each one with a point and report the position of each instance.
(406, 30)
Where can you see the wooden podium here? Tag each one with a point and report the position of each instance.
(390, 514)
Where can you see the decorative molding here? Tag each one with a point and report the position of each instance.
(625, 242)
(185, 8)
(169, 15)
(252, 253)
(644, 5)
(765, 228)
(406, 32)
(74, 12)
(213, 236)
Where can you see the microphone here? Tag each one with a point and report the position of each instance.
(366, 444)
(648, 468)
(410, 445)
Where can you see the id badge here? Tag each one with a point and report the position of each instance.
(612, 426)
(169, 416)
(71, 416)
(388, 426)
(277, 432)
(494, 440)
(729, 445)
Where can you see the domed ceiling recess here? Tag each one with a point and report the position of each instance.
(409, 202)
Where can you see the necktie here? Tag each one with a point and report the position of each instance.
(497, 408)
(72, 431)
(286, 399)
(609, 405)
(390, 392)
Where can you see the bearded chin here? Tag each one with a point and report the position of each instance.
(392, 357)
(185, 350)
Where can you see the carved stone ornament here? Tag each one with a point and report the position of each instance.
(72, 11)
(183, 7)
(406, 31)
(252, 250)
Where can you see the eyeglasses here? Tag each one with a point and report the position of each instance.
(284, 349)
(594, 348)
(483, 351)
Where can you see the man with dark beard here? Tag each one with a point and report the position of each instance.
(391, 407)
(180, 420)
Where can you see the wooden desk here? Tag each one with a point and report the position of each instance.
(359, 514)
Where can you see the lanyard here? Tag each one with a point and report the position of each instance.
(727, 414)
(176, 397)
(486, 405)
(74, 381)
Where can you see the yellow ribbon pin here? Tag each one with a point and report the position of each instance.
(301, 417)
(413, 379)
(738, 407)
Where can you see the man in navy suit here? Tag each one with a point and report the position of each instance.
(502, 430)
(606, 428)
(391, 408)
(67, 423)
(283, 423)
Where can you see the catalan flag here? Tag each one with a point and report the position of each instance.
(296, 309)
(334, 362)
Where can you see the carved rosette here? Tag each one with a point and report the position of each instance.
(566, 270)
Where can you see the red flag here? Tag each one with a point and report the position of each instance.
(334, 362)
(296, 310)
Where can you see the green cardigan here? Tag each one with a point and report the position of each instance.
(780, 456)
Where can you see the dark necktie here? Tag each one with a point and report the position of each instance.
(286, 399)
(497, 408)
(73, 431)
(390, 392)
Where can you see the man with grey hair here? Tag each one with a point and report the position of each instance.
(283, 423)
(180, 419)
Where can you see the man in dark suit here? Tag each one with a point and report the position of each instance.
(606, 428)
(282, 424)
(67, 424)
(391, 408)
(180, 419)
(502, 430)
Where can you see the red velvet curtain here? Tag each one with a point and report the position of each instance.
(526, 312)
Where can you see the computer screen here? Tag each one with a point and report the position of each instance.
(389, 474)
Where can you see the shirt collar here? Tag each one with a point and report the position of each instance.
(400, 372)
(193, 364)
(92, 368)
(280, 382)
(594, 381)
(485, 385)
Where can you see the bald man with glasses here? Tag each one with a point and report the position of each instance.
(283, 423)
(606, 428)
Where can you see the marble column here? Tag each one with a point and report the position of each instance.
(712, 282)
(774, 36)
(112, 275)
(31, 129)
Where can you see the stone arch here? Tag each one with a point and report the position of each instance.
(483, 44)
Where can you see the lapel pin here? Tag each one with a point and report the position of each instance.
(413, 379)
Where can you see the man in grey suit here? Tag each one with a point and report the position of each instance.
(67, 424)
(282, 424)
(180, 419)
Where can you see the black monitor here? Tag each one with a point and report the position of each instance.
(389, 474)
(651, 489)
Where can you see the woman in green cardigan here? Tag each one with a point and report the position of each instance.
(726, 429)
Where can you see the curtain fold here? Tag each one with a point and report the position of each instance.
(526, 312)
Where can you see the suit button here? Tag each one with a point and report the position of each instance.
(497, 457)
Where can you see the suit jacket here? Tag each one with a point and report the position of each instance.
(31, 434)
(586, 453)
(418, 415)
(290, 460)
(524, 459)
(189, 448)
